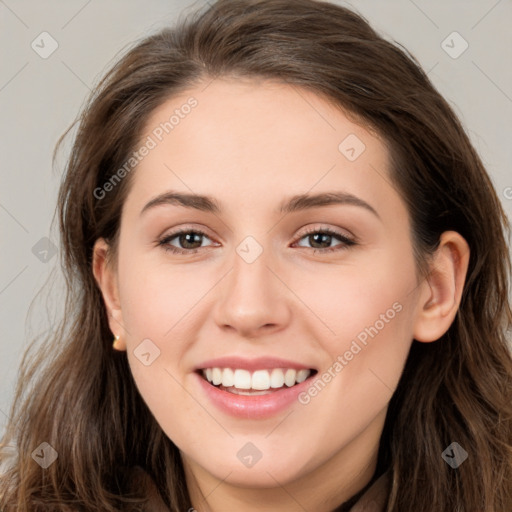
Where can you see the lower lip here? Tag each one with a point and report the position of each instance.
(253, 407)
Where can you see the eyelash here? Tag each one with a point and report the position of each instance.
(346, 242)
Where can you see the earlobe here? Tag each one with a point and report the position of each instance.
(442, 289)
(106, 278)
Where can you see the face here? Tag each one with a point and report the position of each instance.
(265, 281)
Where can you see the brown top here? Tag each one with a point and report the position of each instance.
(372, 499)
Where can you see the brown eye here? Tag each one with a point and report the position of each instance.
(324, 237)
(190, 241)
(187, 239)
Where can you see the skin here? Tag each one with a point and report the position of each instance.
(251, 144)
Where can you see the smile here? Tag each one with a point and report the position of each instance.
(259, 382)
(256, 395)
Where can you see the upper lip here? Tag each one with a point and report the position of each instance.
(258, 363)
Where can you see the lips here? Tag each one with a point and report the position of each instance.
(253, 389)
(259, 363)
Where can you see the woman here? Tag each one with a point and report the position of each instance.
(334, 336)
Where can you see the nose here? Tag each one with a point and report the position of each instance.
(254, 301)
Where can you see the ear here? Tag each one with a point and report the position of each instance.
(106, 277)
(442, 290)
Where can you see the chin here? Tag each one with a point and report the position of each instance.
(269, 471)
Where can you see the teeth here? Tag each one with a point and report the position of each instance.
(242, 379)
(228, 377)
(259, 380)
(289, 377)
(277, 378)
(216, 376)
(302, 375)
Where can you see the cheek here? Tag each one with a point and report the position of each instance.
(160, 304)
(367, 324)
(350, 300)
(157, 296)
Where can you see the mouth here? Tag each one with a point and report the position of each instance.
(239, 381)
(255, 388)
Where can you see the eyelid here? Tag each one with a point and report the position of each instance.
(341, 232)
(308, 230)
(196, 228)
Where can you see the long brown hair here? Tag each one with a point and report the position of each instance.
(84, 402)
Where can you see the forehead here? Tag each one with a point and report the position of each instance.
(255, 138)
(258, 109)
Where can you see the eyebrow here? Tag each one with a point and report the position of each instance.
(295, 203)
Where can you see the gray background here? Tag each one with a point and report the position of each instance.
(40, 97)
